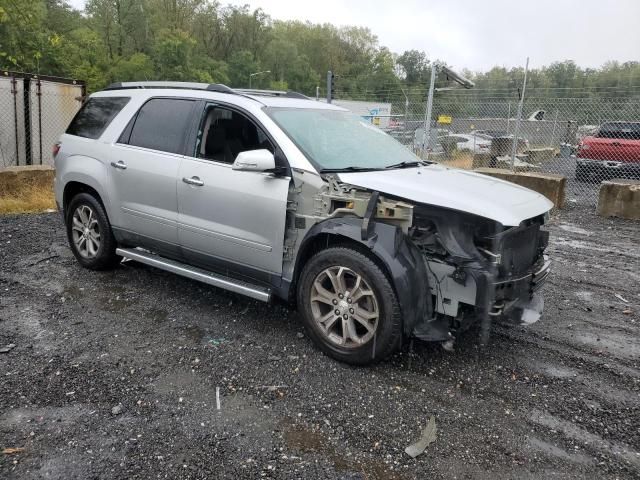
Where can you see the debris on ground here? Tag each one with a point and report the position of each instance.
(273, 388)
(620, 297)
(428, 436)
(117, 410)
(12, 451)
(7, 348)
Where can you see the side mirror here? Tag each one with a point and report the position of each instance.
(255, 161)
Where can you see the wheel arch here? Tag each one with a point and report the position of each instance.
(73, 188)
(388, 247)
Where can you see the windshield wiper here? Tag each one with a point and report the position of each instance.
(405, 164)
(348, 169)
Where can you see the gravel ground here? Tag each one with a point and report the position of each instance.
(114, 375)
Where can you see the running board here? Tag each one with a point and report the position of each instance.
(194, 273)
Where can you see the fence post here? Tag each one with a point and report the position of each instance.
(26, 99)
(329, 92)
(426, 141)
(516, 131)
(14, 92)
(508, 117)
(406, 113)
(39, 94)
(553, 130)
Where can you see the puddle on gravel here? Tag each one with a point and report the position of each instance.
(305, 440)
(574, 229)
(554, 451)
(618, 345)
(579, 434)
(156, 315)
(585, 295)
(194, 333)
(591, 246)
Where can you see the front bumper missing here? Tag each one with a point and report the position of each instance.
(515, 301)
(522, 304)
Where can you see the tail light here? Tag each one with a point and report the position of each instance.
(56, 149)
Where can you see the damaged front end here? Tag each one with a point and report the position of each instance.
(479, 271)
(450, 269)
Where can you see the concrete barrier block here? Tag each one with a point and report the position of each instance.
(620, 198)
(550, 185)
(481, 160)
(14, 180)
(537, 155)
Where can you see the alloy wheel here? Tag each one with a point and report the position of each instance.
(344, 307)
(85, 231)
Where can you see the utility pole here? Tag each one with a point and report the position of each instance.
(257, 73)
(329, 86)
(516, 131)
(427, 113)
(406, 113)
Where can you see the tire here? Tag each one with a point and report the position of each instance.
(89, 233)
(582, 174)
(358, 331)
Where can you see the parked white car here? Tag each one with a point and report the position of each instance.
(473, 142)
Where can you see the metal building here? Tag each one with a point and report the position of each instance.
(34, 111)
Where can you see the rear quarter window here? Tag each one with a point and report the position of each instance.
(622, 130)
(95, 116)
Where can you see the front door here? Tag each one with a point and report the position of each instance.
(228, 217)
(144, 167)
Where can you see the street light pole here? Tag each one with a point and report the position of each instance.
(251, 75)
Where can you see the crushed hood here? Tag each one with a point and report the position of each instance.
(456, 189)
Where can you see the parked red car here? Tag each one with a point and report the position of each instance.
(613, 152)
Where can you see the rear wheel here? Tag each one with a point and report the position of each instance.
(349, 306)
(89, 233)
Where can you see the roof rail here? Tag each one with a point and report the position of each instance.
(271, 93)
(211, 87)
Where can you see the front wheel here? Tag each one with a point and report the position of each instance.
(349, 307)
(89, 233)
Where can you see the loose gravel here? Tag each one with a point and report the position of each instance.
(136, 373)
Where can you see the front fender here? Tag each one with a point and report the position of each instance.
(403, 262)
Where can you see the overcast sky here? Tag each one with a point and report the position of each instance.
(479, 34)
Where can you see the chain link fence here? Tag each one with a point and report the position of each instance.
(34, 112)
(587, 137)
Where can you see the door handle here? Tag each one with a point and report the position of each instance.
(193, 181)
(121, 165)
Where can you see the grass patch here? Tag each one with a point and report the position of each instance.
(460, 159)
(30, 199)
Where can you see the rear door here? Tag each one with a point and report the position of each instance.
(143, 169)
(229, 218)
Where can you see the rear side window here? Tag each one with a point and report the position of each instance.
(161, 124)
(96, 115)
(622, 130)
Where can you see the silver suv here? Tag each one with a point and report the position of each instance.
(271, 194)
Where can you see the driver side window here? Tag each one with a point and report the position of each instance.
(224, 133)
